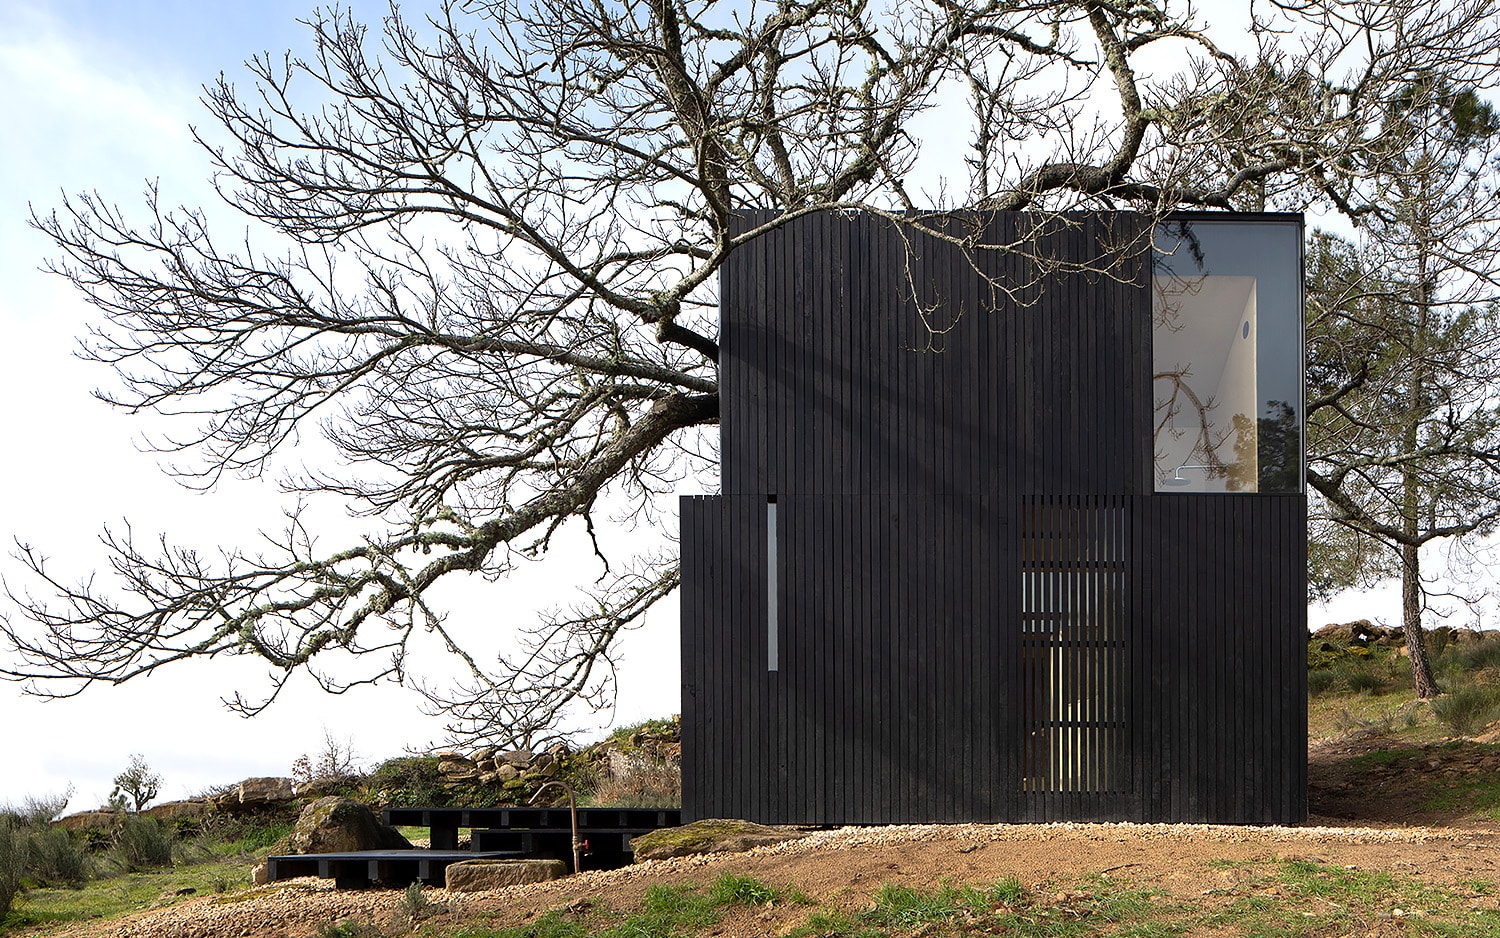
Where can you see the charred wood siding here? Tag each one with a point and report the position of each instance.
(857, 359)
(982, 612)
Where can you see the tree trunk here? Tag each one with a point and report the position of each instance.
(1411, 494)
(1411, 624)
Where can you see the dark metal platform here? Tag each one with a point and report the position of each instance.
(501, 833)
(446, 822)
(359, 868)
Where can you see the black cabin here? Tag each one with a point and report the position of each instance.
(1008, 533)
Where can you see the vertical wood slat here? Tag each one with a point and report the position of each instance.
(1180, 617)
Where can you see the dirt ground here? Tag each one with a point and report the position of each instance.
(1361, 820)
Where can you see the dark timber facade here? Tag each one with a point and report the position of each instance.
(1002, 554)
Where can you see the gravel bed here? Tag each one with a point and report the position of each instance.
(300, 907)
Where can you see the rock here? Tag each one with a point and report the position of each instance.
(506, 771)
(340, 825)
(1357, 632)
(318, 787)
(457, 770)
(266, 790)
(710, 835)
(89, 821)
(173, 810)
(475, 875)
(558, 749)
(484, 754)
(487, 778)
(519, 758)
(260, 875)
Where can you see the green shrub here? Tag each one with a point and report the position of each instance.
(408, 781)
(1321, 681)
(143, 843)
(415, 904)
(1468, 708)
(741, 890)
(1459, 660)
(624, 737)
(14, 848)
(34, 812)
(1363, 675)
(56, 858)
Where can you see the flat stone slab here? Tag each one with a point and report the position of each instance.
(357, 868)
(477, 875)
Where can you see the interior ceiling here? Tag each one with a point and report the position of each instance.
(1209, 312)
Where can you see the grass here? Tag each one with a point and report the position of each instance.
(1470, 793)
(1369, 690)
(107, 898)
(1296, 897)
(1476, 794)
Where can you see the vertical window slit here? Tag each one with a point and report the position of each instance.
(773, 650)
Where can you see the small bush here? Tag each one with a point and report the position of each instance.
(337, 764)
(645, 783)
(1321, 681)
(143, 843)
(624, 737)
(34, 812)
(1462, 661)
(14, 850)
(415, 904)
(56, 858)
(741, 890)
(1359, 676)
(1468, 708)
(408, 781)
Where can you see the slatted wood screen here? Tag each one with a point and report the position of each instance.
(982, 612)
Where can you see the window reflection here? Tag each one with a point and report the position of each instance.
(1227, 359)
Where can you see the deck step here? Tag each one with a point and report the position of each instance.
(357, 869)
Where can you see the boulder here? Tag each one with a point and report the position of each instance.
(1358, 632)
(476, 875)
(266, 790)
(175, 810)
(519, 758)
(506, 772)
(318, 787)
(89, 821)
(260, 875)
(710, 835)
(340, 825)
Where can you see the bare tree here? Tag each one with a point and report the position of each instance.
(494, 287)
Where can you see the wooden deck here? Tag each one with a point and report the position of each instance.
(500, 833)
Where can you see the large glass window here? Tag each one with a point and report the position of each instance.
(1227, 355)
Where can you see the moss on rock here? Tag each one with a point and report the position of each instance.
(339, 825)
(710, 835)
